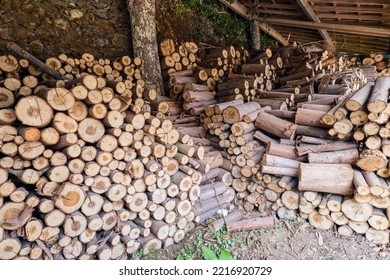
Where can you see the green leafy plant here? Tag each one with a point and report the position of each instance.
(208, 254)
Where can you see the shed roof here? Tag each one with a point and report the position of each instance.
(354, 26)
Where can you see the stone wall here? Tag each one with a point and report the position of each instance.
(50, 27)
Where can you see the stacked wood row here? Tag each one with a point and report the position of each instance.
(323, 167)
(85, 174)
(225, 60)
(379, 62)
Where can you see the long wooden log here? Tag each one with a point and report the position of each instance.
(328, 178)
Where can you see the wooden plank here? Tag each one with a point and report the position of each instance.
(346, 28)
(244, 12)
(279, 12)
(352, 9)
(345, 16)
(313, 16)
(373, 2)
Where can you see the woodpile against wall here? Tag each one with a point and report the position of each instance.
(291, 149)
(93, 166)
(87, 169)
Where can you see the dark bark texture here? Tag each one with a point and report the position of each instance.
(144, 35)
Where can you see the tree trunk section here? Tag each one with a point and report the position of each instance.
(144, 36)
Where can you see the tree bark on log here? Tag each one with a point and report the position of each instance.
(328, 178)
(144, 36)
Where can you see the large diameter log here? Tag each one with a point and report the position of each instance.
(233, 114)
(371, 160)
(90, 130)
(33, 111)
(249, 224)
(69, 198)
(379, 95)
(328, 178)
(355, 211)
(346, 156)
(275, 125)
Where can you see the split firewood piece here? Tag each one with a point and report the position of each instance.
(33, 111)
(371, 160)
(328, 178)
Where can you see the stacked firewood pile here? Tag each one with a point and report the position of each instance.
(89, 171)
(279, 156)
(379, 62)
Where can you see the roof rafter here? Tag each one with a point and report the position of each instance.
(313, 16)
(244, 12)
(344, 28)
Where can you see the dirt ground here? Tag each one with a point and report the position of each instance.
(289, 240)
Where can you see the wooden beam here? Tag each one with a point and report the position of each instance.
(351, 9)
(244, 12)
(313, 16)
(371, 2)
(385, 20)
(345, 28)
(279, 12)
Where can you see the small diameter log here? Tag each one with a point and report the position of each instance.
(359, 98)
(275, 125)
(309, 117)
(231, 217)
(249, 224)
(326, 147)
(360, 183)
(328, 178)
(380, 93)
(319, 221)
(346, 156)
(285, 151)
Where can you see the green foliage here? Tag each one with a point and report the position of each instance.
(218, 248)
(208, 254)
(226, 24)
(139, 253)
